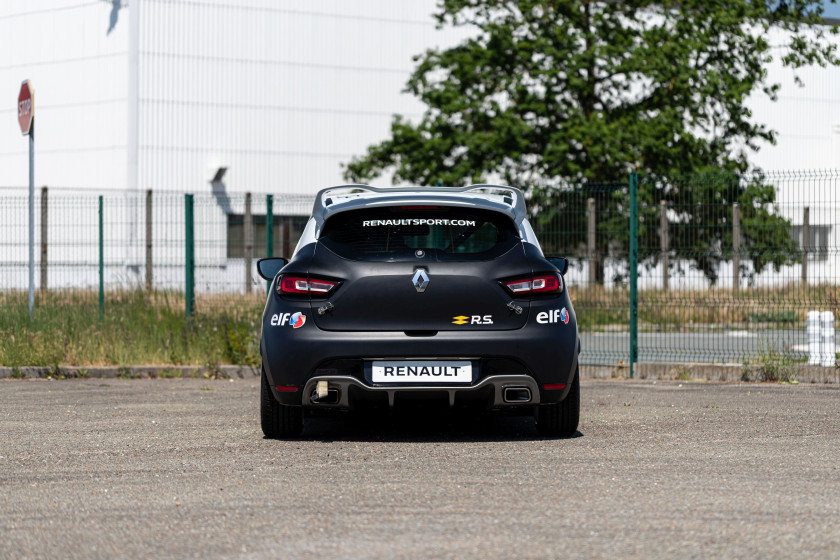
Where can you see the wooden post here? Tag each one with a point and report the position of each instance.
(806, 243)
(44, 239)
(663, 243)
(287, 234)
(736, 247)
(590, 240)
(249, 243)
(149, 278)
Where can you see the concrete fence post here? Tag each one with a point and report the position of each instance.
(44, 220)
(149, 270)
(806, 243)
(663, 243)
(590, 241)
(736, 247)
(249, 243)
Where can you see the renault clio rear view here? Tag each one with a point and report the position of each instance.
(418, 295)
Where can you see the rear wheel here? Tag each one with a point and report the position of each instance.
(561, 419)
(278, 420)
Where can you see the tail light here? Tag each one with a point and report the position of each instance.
(542, 284)
(298, 285)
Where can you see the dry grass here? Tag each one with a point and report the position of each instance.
(137, 328)
(600, 309)
(150, 328)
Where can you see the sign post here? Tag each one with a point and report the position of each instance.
(26, 120)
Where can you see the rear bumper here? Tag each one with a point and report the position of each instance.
(537, 354)
(497, 390)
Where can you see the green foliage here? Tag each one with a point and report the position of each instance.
(544, 92)
(544, 95)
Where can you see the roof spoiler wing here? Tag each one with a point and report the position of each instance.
(325, 197)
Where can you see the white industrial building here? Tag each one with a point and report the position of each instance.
(265, 96)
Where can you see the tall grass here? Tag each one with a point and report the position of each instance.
(138, 327)
(783, 307)
(142, 327)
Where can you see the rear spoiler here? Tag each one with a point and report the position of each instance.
(354, 196)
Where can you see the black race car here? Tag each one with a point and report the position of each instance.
(403, 295)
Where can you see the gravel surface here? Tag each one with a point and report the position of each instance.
(179, 468)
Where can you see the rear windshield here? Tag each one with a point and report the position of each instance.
(411, 232)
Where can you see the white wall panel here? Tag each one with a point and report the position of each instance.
(77, 69)
(279, 92)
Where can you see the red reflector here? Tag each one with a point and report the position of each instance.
(286, 388)
(554, 386)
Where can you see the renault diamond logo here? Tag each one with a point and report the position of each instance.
(420, 280)
(461, 320)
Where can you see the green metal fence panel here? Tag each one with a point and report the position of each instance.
(728, 266)
(589, 224)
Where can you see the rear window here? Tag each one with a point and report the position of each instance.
(402, 233)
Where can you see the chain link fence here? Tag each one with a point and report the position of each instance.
(721, 268)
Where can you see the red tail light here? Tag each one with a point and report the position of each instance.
(541, 284)
(299, 285)
(554, 386)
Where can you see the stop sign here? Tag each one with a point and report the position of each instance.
(25, 109)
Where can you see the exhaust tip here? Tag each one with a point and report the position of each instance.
(331, 396)
(517, 394)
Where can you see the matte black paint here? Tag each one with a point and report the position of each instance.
(373, 323)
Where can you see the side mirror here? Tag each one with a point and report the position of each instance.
(561, 263)
(268, 268)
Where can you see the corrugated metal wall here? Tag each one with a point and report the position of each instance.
(76, 60)
(279, 91)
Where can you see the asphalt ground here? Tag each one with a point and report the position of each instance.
(179, 468)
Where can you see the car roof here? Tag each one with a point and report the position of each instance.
(332, 200)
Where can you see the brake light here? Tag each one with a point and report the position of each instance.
(542, 284)
(304, 286)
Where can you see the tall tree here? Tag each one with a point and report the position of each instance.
(548, 93)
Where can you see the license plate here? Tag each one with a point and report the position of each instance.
(421, 372)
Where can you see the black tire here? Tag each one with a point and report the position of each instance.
(561, 419)
(278, 420)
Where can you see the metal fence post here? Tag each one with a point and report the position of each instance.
(663, 243)
(269, 231)
(249, 243)
(590, 240)
(44, 217)
(806, 243)
(149, 239)
(736, 247)
(634, 261)
(189, 288)
(101, 262)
